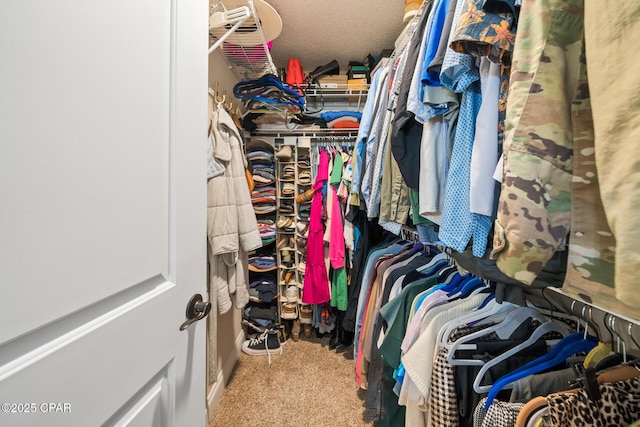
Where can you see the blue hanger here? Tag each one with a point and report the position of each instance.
(435, 268)
(471, 285)
(456, 284)
(416, 248)
(566, 347)
(487, 300)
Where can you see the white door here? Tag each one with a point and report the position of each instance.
(102, 211)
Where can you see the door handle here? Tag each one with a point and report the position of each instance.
(197, 309)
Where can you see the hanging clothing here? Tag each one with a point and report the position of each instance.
(619, 405)
(535, 203)
(316, 281)
(406, 132)
(484, 156)
(366, 123)
(606, 235)
(231, 222)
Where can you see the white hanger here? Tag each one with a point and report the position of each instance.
(549, 326)
(492, 307)
(503, 330)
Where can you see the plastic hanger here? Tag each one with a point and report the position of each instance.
(466, 285)
(418, 247)
(549, 326)
(437, 269)
(452, 280)
(437, 258)
(483, 312)
(503, 330)
(566, 347)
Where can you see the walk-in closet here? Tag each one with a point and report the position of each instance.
(416, 213)
(437, 214)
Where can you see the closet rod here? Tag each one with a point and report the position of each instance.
(324, 139)
(598, 316)
(409, 233)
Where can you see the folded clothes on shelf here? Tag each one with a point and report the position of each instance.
(262, 263)
(332, 115)
(264, 208)
(261, 157)
(264, 290)
(262, 316)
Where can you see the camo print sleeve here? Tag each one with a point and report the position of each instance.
(534, 209)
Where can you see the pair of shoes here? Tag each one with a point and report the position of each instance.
(305, 196)
(288, 276)
(286, 206)
(330, 68)
(306, 312)
(301, 242)
(284, 153)
(285, 255)
(304, 177)
(288, 172)
(289, 310)
(284, 222)
(303, 231)
(266, 343)
(288, 190)
(286, 243)
(291, 293)
(302, 227)
(337, 338)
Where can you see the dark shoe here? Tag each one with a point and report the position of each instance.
(336, 341)
(265, 343)
(331, 68)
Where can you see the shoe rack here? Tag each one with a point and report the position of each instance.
(304, 181)
(294, 178)
(288, 283)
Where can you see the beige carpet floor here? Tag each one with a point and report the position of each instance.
(307, 385)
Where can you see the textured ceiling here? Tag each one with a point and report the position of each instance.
(318, 31)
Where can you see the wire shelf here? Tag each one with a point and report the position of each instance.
(245, 50)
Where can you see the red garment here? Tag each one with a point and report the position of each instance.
(263, 200)
(346, 125)
(295, 75)
(316, 282)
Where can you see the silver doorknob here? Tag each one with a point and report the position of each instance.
(197, 309)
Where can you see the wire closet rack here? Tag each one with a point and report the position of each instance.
(235, 30)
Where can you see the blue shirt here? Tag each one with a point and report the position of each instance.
(332, 115)
(432, 78)
(461, 75)
(365, 128)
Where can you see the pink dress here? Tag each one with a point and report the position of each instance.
(316, 282)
